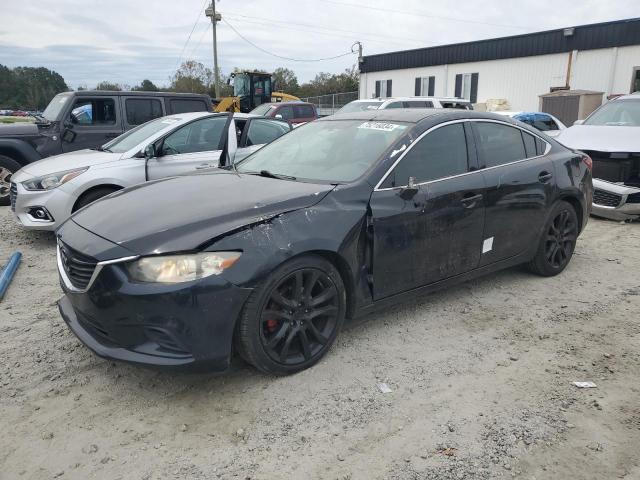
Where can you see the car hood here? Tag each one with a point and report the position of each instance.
(187, 212)
(601, 138)
(20, 128)
(69, 161)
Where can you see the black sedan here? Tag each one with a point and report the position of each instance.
(330, 221)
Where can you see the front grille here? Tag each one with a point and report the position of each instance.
(13, 194)
(78, 267)
(606, 199)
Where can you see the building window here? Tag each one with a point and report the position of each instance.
(425, 86)
(467, 86)
(383, 88)
(635, 87)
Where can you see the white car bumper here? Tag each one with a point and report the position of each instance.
(615, 201)
(44, 210)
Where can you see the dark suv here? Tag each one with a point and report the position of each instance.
(84, 119)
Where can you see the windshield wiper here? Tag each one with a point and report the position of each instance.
(101, 149)
(267, 173)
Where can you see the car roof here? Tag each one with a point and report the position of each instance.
(632, 96)
(412, 115)
(110, 93)
(292, 102)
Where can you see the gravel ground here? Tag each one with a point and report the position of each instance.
(480, 377)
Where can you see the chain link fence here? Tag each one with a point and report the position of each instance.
(331, 103)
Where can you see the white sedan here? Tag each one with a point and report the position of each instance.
(45, 193)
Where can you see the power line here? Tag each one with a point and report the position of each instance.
(190, 33)
(193, 50)
(308, 30)
(419, 14)
(271, 20)
(280, 56)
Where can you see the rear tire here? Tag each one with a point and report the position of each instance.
(291, 320)
(91, 196)
(558, 241)
(8, 167)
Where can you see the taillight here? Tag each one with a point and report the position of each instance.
(586, 159)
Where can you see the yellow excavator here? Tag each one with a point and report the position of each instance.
(251, 89)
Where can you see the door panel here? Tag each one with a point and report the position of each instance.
(517, 202)
(435, 235)
(93, 122)
(171, 165)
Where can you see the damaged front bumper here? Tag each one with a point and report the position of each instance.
(615, 201)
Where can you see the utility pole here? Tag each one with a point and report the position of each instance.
(215, 18)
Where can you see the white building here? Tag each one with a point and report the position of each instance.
(603, 57)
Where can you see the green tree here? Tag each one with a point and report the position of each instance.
(110, 86)
(285, 80)
(145, 86)
(29, 88)
(191, 77)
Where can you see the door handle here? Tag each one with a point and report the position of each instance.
(470, 199)
(545, 176)
(203, 166)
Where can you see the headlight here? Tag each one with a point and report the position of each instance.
(53, 180)
(181, 268)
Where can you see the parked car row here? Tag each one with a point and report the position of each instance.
(268, 254)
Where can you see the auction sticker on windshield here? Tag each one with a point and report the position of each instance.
(385, 127)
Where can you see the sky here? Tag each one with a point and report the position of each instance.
(126, 41)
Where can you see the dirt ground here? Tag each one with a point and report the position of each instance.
(480, 377)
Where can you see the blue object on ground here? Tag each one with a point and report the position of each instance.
(6, 275)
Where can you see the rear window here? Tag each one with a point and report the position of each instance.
(179, 105)
(141, 110)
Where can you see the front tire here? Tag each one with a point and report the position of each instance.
(8, 167)
(291, 320)
(558, 241)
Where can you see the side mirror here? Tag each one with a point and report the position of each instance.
(578, 122)
(408, 192)
(150, 151)
(278, 116)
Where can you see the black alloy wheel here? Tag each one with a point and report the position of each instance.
(561, 239)
(558, 241)
(290, 321)
(299, 317)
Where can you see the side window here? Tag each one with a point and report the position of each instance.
(93, 111)
(303, 111)
(440, 154)
(178, 105)
(265, 131)
(286, 112)
(499, 144)
(199, 136)
(545, 123)
(530, 144)
(141, 110)
(395, 105)
(418, 104)
(541, 146)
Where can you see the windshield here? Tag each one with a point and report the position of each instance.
(359, 107)
(623, 113)
(329, 151)
(52, 112)
(137, 135)
(262, 109)
(241, 85)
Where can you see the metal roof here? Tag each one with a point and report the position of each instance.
(586, 37)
